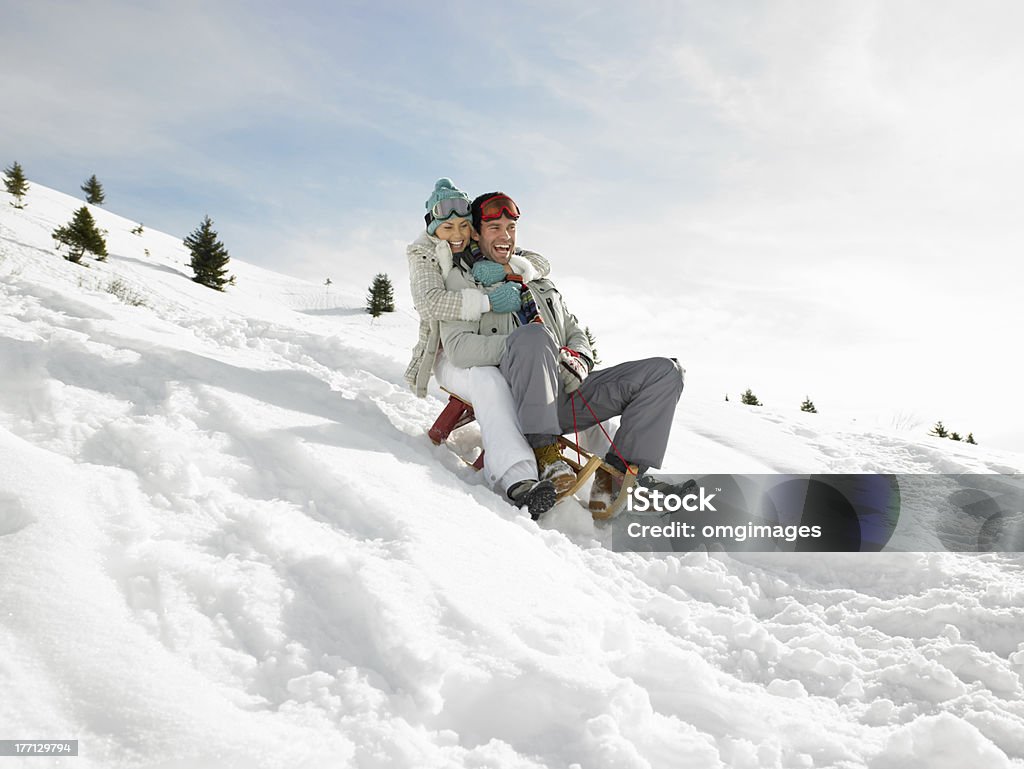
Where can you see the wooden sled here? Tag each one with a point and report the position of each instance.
(459, 412)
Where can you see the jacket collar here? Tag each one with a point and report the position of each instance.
(442, 251)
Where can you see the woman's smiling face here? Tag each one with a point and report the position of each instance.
(456, 231)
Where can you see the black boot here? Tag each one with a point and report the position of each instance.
(536, 496)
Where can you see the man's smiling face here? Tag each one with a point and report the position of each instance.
(497, 238)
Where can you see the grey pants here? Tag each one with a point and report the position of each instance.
(643, 392)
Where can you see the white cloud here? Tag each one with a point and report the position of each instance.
(110, 78)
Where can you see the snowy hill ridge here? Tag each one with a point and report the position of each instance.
(226, 541)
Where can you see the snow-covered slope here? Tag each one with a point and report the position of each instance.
(226, 541)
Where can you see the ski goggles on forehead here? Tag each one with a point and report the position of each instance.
(448, 207)
(496, 205)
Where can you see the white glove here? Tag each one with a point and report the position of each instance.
(572, 368)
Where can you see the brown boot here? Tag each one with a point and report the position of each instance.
(552, 467)
(603, 493)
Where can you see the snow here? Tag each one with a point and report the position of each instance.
(226, 541)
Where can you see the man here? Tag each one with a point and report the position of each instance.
(547, 360)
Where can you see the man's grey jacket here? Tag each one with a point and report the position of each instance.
(482, 342)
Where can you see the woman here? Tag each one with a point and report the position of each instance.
(509, 463)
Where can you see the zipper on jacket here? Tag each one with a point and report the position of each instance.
(551, 306)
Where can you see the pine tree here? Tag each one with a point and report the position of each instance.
(970, 439)
(808, 405)
(81, 235)
(727, 397)
(939, 431)
(16, 184)
(955, 436)
(593, 345)
(209, 256)
(749, 399)
(93, 191)
(137, 230)
(381, 298)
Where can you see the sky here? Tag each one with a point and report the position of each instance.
(736, 184)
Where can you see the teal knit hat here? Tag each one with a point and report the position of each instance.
(444, 189)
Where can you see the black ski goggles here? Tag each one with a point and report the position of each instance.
(443, 209)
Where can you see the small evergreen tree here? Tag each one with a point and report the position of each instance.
(970, 439)
(137, 230)
(381, 298)
(808, 405)
(749, 399)
(593, 345)
(328, 282)
(93, 191)
(209, 256)
(16, 184)
(955, 436)
(939, 431)
(81, 235)
(727, 397)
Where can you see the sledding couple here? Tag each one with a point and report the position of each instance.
(513, 349)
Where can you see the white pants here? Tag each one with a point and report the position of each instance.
(508, 458)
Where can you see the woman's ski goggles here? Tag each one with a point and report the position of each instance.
(496, 205)
(448, 207)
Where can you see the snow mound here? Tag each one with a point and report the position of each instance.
(225, 540)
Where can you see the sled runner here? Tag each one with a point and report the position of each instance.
(459, 412)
